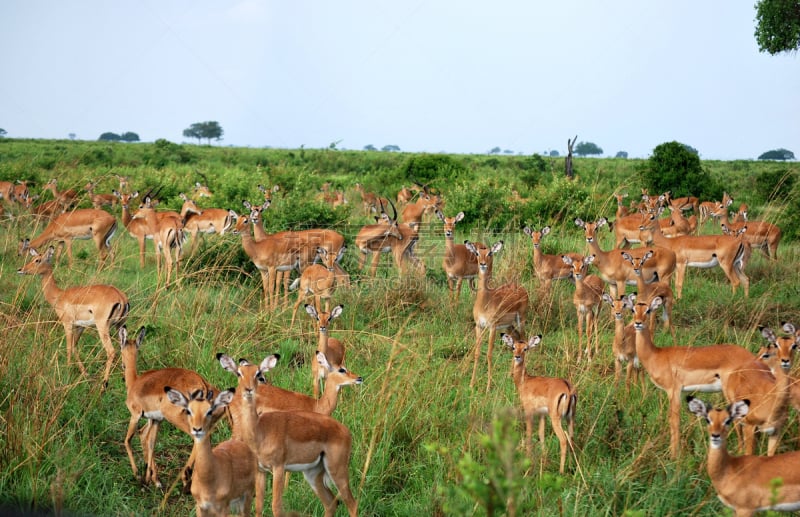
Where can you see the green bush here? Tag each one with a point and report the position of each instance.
(425, 167)
(774, 185)
(675, 167)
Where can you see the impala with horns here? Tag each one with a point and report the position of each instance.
(101, 306)
(458, 263)
(497, 308)
(761, 235)
(548, 267)
(707, 208)
(389, 237)
(223, 477)
(542, 396)
(677, 369)
(81, 224)
(615, 270)
(747, 484)
(146, 399)
(289, 441)
(200, 190)
(701, 251)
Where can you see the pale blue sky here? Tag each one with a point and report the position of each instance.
(455, 76)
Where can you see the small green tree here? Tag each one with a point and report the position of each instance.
(390, 147)
(777, 26)
(587, 148)
(129, 136)
(777, 154)
(109, 137)
(676, 167)
(621, 154)
(370, 147)
(495, 150)
(208, 130)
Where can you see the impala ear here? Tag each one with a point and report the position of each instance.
(459, 216)
(268, 363)
(768, 334)
(312, 311)
(527, 231)
(697, 406)
(123, 335)
(337, 311)
(607, 298)
(228, 363)
(507, 340)
(534, 341)
(545, 230)
(323, 361)
(176, 397)
(739, 409)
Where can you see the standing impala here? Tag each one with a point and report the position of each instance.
(146, 399)
(747, 484)
(683, 368)
(615, 270)
(331, 348)
(100, 200)
(542, 396)
(760, 234)
(389, 237)
(66, 198)
(587, 297)
(703, 251)
(167, 232)
(458, 263)
(223, 477)
(83, 223)
(412, 213)
(548, 267)
(624, 345)
(502, 307)
(209, 220)
(289, 441)
(646, 292)
(317, 280)
(100, 306)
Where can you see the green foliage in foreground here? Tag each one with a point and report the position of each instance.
(425, 443)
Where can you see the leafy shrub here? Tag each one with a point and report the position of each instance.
(426, 167)
(563, 199)
(165, 152)
(676, 167)
(774, 185)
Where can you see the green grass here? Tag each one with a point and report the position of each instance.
(415, 419)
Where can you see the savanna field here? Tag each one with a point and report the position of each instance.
(424, 441)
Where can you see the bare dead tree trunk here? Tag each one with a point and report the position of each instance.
(568, 160)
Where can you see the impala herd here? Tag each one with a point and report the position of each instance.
(282, 431)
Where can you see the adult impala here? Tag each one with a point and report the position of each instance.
(81, 224)
(317, 280)
(677, 369)
(458, 262)
(548, 267)
(542, 396)
(389, 237)
(101, 306)
(701, 251)
(207, 221)
(289, 441)
(100, 200)
(146, 399)
(761, 235)
(66, 198)
(747, 484)
(223, 477)
(167, 232)
(646, 292)
(497, 308)
(331, 348)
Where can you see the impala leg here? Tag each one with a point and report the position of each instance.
(141, 251)
(373, 268)
(73, 335)
(674, 423)
(315, 479)
(111, 352)
(278, 473)
(490, 348)
(580, 335)
(296, 306)
(680, 275)
(152, 469)
(555, 421)
(132, 425)
(749, 438)
(457, 292)
(529, 434)
(478, 338)
(261, 488)
(773, 441)
(337, 469)
(286, 277)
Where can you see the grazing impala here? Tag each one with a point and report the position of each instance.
(458, 263)
(100, 200)
(624, 345)
(146, 399)
(66, 198)
(747, 484)
(223, 477)
(317, 280)
(99, 306)
(587, 297)
(83, 223)
(767, 391)
(389, 237)
(209, 220)
(331, 348)
(703, 251)
(540, 396)
(615, 270)
(289, 441)
(548, 267)
(502, 307)
(761, 235)
(683, 368)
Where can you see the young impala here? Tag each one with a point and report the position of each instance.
(458, 263)
(761, 235)
(100, 200)
(291, 441)
(587, 297)
(747, 484)
(100, 306)
(223, 477)
(146, 399)
(208, 221)
(497, 308)
(331, 348)
(542, 396)
(624, 345)
(167, 234)
(645, 292)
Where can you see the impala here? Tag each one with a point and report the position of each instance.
(318, 281)
(331, 348)
(761, 235)
(83, 223)
(747, 484)
(624, 345)
(767, 391)
(223, 477)
(703, 251)
(615, 270)
(370, 200)
(21, 193)
(146, 399)
(167, 233)
(200, 190)
(413, 212)
(496, 308)
(542, 396)
(288, 441)
(548, 267)
(405, 195)
(390, 237)
(676, 225)
(7, 191)
(100, 200)
(209, 220)
(646, 292)
(685, 203)
(587, 297)
(267, 192)
(458, 263)
(683, 368)
(622, 210)
(66, 198)
(708, 207)
(100, 306)
(271, 255)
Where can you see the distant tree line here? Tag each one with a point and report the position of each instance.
(128, 136)
(204, 130)
(385, 148)
(777, 154)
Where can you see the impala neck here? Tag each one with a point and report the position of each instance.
(518, 371)
(126, 215)
(245, 419)
(49, 288)
(323, 342)
(645, 349)
(330, 397)
(129, 372)
(204, 473)
(718, 461)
